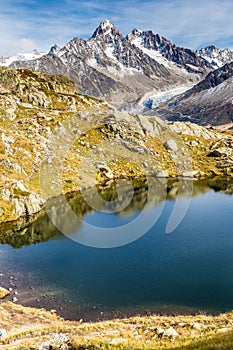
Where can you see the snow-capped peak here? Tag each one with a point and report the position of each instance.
(54, 49)
(106, 27)
(28, 56)
(136, 31)
(105, 24)
(216, 57)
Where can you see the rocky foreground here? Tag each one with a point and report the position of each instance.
(54, 140)
(28, 328)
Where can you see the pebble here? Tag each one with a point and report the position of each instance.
(14, 300)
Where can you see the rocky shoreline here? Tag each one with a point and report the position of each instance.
(39, 329)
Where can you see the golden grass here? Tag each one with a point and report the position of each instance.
(30, 327)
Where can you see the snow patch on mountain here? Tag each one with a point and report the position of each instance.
(120, 71)
(7, 61)
(216, 57)
(155, 55)
(109, 52)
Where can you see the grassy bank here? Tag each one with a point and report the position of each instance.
(31, 328)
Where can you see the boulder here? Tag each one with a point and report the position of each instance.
(59, 341)
(190, 173)
(3, 334)
(4, 292)
(196, 325)
(160, 331)
(170, 145)
(162, 173)
(170, 333)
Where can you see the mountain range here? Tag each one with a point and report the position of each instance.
(127, 70)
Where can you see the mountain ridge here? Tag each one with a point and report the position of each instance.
(127, 70)
(122, 69)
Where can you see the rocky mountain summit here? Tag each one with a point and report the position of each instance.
(216, 57)
(7, 61)
(122, 69)
(54, 140)
(166, 53)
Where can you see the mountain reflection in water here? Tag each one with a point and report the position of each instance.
(132, 198)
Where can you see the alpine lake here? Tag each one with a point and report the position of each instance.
(137, 247)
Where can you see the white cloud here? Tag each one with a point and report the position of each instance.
(25, 45)
(33, 24)
(187, 23)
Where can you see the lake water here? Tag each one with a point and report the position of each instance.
(190, 269)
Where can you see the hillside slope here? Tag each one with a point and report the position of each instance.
(208, 103)
(54, 140)
(40, 329)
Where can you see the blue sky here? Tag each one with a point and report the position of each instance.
(29, 24)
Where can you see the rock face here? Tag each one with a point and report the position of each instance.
(4, 292)
(216, 57)
(207, 103)
(121, 69)
(165, 52)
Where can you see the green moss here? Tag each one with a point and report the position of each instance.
(217, 342)
(18, 193)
